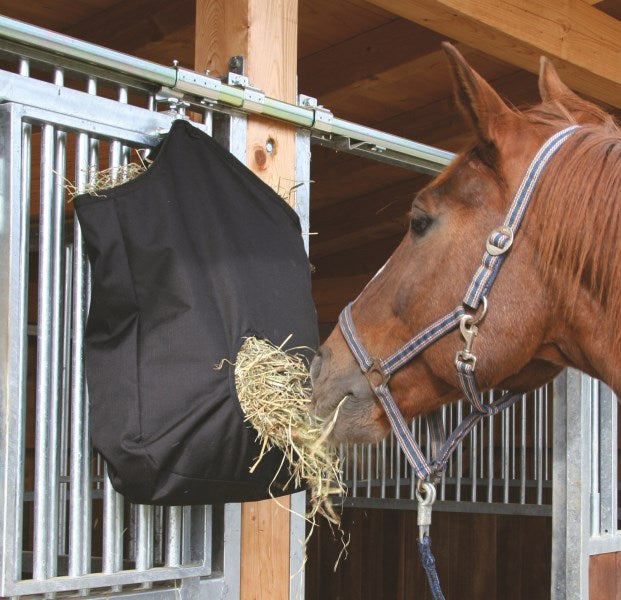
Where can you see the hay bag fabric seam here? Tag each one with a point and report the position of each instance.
(188, 260)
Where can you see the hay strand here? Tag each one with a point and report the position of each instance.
(100, 181)
(274, 393)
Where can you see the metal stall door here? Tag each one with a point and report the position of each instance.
(63, 529)
(585, 517)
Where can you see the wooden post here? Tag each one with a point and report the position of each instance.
(264, 32)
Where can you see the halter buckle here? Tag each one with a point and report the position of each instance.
(376, 376)
(497, 250)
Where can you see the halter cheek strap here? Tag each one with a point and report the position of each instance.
(379, 371)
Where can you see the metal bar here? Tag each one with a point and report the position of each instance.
(546, 428)
(604, 544)
(24, 67)
(459, 453)
(354, 486)
(79, 500)
(393, 444)
(369, 468)
(231, 563)
(539, 397)
(524, 423)
(297, 535)
(574, 511)
(473, 464)
(174, 536)
(505, 455)
(383, 470)
(397, 471)
(14, 238)
(98, 580)
(513, 444)
(65, 404)
(595, 450)
(494, 508)
(608, 467)
(443, 480)
(113, 502)
(144, 537)
(490, 456)
(57, 328)
(69, 47)
(41, 565)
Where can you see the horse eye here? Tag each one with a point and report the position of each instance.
(420, 221)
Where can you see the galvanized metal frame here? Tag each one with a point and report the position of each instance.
(60, 376)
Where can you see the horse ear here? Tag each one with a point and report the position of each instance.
(551, 88)
(554, 91)
(482, 106)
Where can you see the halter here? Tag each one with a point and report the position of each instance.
(378, 371)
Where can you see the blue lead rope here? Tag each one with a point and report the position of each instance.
(429, 564)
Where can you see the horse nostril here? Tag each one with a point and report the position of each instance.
(315, 367)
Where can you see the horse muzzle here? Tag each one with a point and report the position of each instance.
(335, 375)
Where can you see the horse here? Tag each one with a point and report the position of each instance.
(555, 303)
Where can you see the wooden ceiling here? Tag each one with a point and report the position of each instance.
(364, 62)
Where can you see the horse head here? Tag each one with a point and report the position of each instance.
(545, 300)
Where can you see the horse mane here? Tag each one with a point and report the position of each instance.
(578, 204)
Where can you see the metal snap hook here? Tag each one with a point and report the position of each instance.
(426, 496)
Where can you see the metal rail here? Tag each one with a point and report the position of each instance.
(235, 94)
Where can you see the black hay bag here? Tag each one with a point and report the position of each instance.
(187, 260)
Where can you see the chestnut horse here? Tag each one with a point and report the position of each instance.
(557, 299)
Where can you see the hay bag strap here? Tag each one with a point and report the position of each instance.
(187, 260)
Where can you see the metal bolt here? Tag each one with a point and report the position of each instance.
(269, 146)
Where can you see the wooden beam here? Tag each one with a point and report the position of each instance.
(265, 33)
(324, 23)
(583, 41)
(421, 79)
(132, 26)
(365, 56)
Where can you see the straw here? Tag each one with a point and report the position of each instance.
(274, 393)
(99, 181)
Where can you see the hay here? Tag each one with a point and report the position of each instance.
(99, 181)
(274, 393)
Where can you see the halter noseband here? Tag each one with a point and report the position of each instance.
(379, 371)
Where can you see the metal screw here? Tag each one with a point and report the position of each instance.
(269, 146)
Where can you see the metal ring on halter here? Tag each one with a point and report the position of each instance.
(374, 371)
(477, 318)
(496, 250)
(425, 492)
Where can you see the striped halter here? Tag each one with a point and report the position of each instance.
(379, 371)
